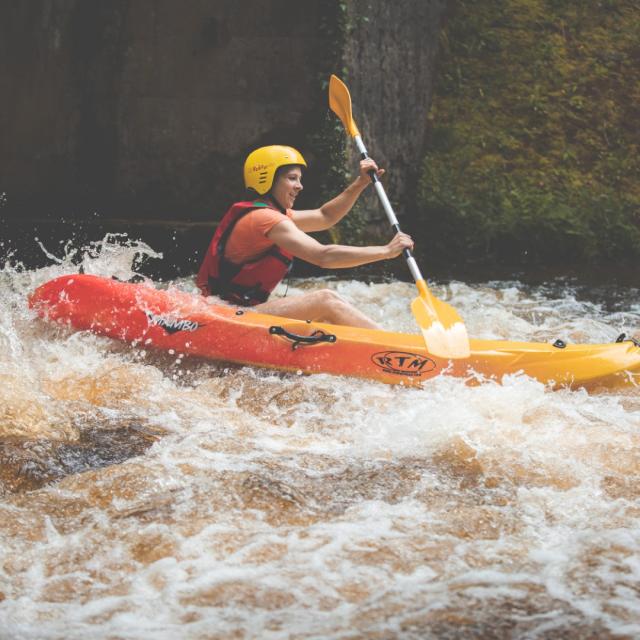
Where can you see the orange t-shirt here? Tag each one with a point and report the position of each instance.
(248, 239)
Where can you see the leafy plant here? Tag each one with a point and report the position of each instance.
(534, 132)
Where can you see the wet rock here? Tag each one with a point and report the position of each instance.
(152, 547)
(626, 487)
(240, 594)
(460, 461)
(26, 465)
(27, 414)
(280, 501)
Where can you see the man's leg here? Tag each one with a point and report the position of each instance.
(322, 306)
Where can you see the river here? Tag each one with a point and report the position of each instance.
(147, 496)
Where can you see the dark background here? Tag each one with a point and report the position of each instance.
(135, 116)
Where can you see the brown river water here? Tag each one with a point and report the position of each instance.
(143, 496)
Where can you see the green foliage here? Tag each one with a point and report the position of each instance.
(535, 132)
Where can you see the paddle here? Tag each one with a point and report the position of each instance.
(444, 332)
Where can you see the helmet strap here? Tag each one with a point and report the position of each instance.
(270, 197)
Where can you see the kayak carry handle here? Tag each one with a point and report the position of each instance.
(298, 340)
(623, 338)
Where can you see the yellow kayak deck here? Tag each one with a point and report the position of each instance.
(189, 325)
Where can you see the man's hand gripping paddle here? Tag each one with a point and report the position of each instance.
(444, 332)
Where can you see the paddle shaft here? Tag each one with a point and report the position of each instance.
(388, 209)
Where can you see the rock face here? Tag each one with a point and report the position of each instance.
(146, 108)
(390, 52)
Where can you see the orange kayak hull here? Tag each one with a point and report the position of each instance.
(190, 325)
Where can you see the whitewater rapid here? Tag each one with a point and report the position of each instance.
(143, 495)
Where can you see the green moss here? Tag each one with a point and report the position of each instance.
(534, 136)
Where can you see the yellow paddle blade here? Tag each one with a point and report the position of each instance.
(340, 104)
(444, 332)
(442, 328)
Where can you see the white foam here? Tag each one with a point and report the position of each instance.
(279, 505)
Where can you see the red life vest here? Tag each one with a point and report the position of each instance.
(245, 284)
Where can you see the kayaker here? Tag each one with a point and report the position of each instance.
(256, 241)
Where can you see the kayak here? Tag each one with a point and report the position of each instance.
(190, 325)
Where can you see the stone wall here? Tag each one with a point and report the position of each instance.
(146, 108)
(391, 51)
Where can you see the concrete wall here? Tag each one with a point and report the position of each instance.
(146, 108)
(390, 52)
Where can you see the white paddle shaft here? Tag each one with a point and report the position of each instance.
(388, 209)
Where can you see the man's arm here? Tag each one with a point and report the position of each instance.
(333, 256)
(330, 213)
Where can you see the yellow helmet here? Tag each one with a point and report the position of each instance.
(261, 165)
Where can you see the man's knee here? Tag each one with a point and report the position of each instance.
(329, 298)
